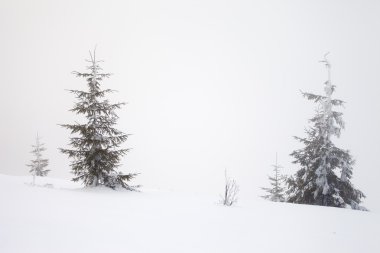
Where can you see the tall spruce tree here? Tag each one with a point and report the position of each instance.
(276, 191)
(38, 165)
(326, 170)
(96, 151)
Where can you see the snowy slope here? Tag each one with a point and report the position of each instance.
(67, 218)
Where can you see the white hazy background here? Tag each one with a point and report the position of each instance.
(209, 84)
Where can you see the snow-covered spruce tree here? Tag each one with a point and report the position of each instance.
(38, 165)
(276, 192)
(326, 170)
(96, 151)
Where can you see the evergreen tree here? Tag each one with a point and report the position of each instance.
(96, 151)
(276, 192)
(326, 170)
(39, 164)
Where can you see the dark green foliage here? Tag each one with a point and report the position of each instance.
(326, 170)
(96, 151)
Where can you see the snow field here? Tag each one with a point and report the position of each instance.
(68, 218)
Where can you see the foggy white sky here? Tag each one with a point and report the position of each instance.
(209, 84)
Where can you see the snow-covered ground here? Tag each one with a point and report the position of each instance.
(68, 218)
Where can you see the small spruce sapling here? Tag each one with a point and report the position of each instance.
(38, 165)
(276, 191)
